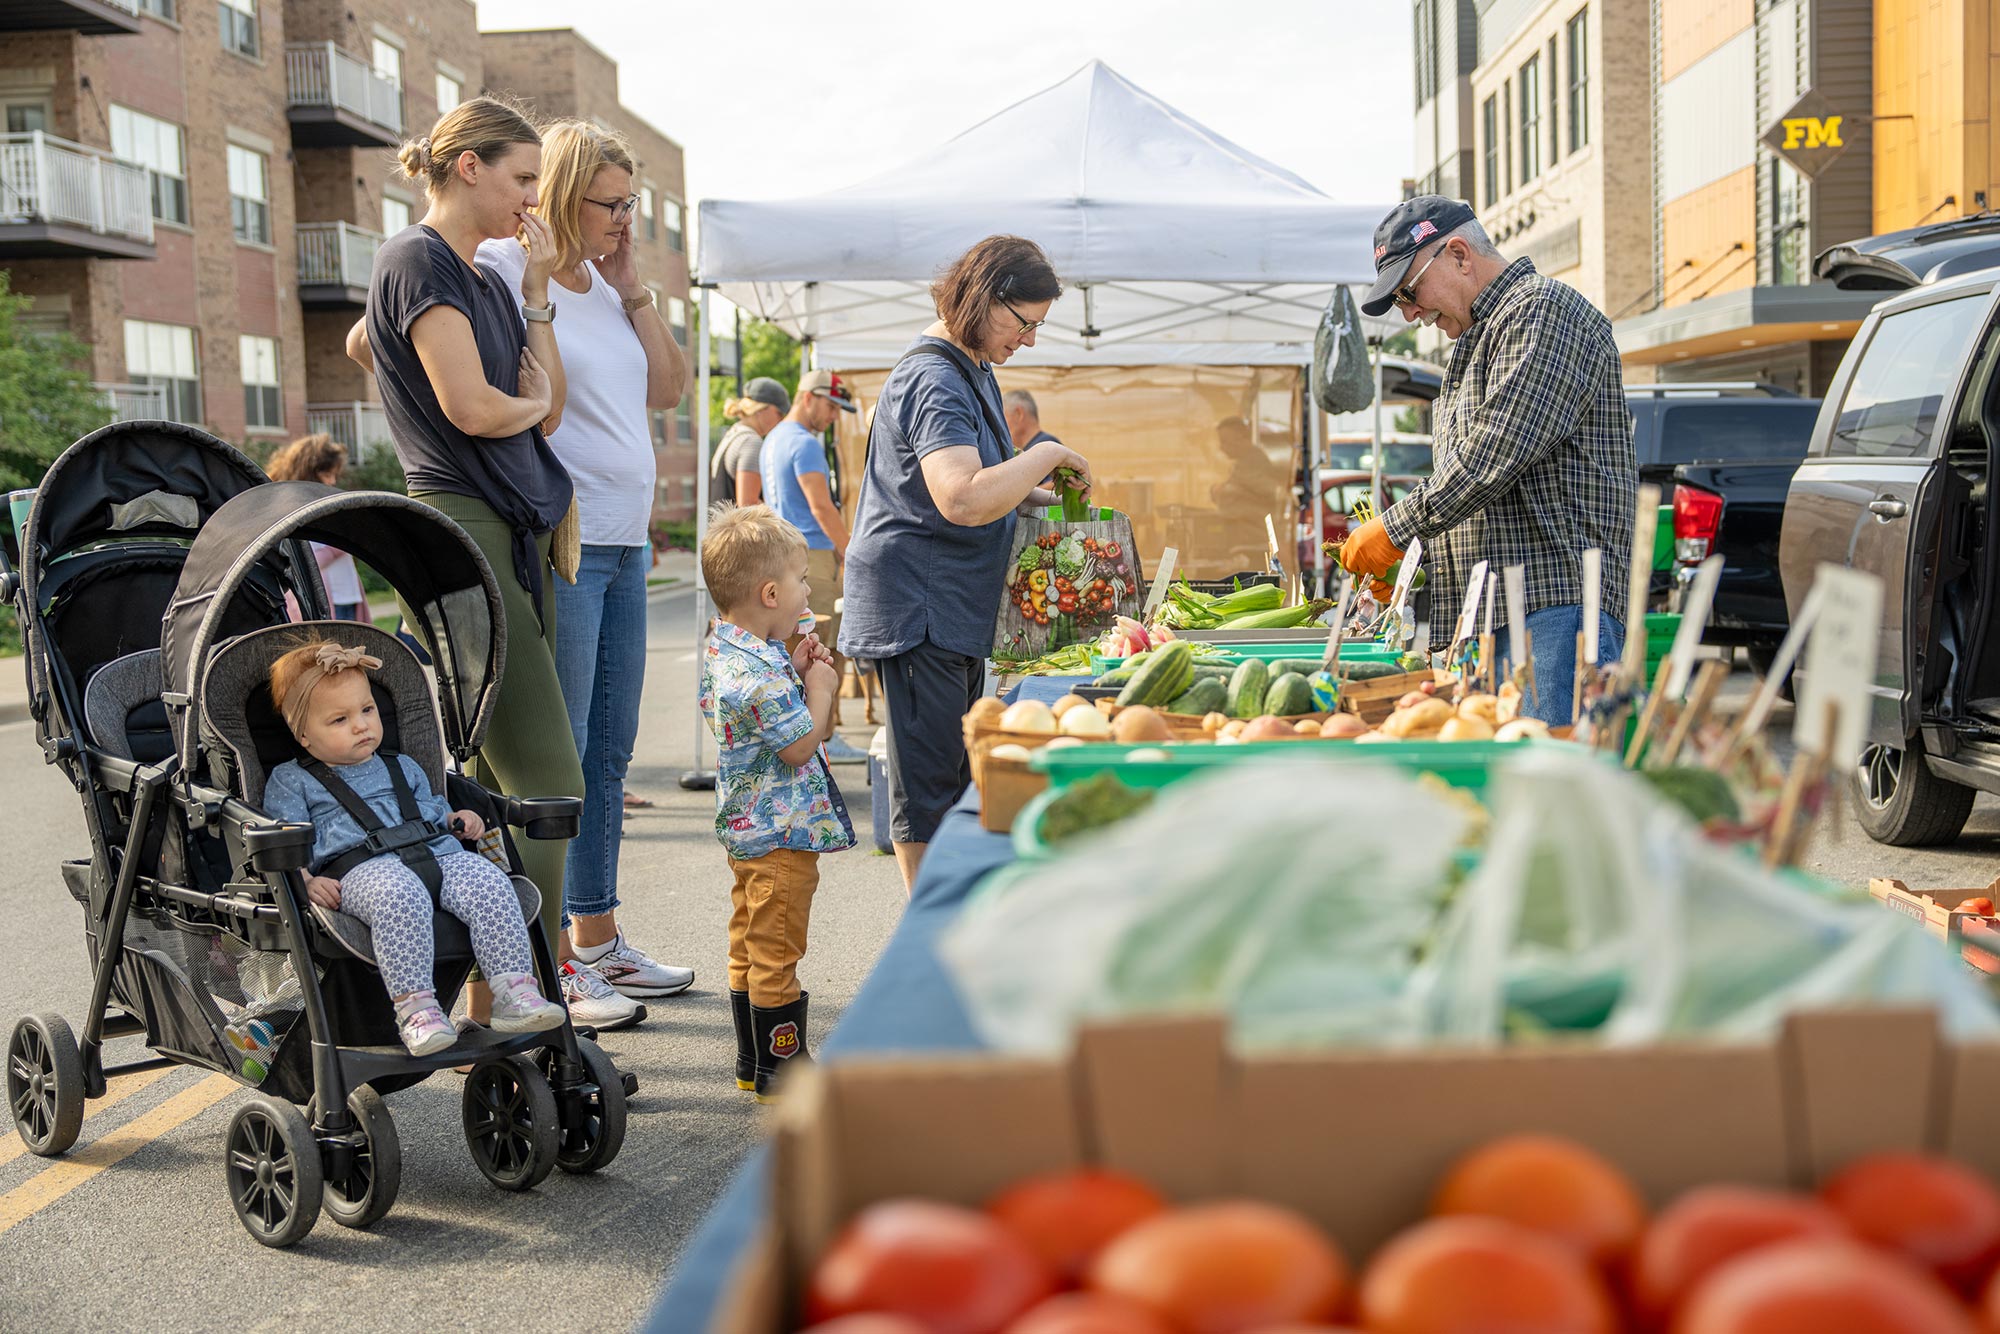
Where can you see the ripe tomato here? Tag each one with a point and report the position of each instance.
(1090, 1313)
(1938, 1214)
(1227, 1267)
(1068, 1217)
(1712, 1225)
(1981, 905)
(1821, 1286)
(1471, 1275)
(1550, 1185)
(871, 1323)
(953, 1270)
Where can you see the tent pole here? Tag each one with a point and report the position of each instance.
(1315, 444)
(1375, 448)
(698, 778)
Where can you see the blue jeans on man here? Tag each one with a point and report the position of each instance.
(601, 661)
(1552, 633)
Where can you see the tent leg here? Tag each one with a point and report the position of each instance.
(1315, 444)
(1375, 448)
(699, 778)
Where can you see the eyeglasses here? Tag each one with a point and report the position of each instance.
(1406, 295)
(618, 211)
(1028, 326)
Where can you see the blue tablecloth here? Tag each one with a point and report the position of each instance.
(1047, 689)
(907, 1004)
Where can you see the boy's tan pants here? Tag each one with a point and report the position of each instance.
(770, 905)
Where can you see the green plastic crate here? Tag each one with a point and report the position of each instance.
(1661, 629)
(1366, 650)
(1460, 763)
(1663, 540)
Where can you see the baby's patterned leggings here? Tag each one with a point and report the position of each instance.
(388, 896)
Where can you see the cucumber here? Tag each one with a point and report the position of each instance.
(1290, 694)
(1205, 696)
(1303, 666)
(1246, 689)
(1368, 671)
(1220, 671)
(1116, 677)
(1166, 674)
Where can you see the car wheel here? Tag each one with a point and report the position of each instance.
(1902, 803)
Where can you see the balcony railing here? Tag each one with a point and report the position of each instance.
(362, 427)
(134, 402)
(336, 254)
(320, 74)
(46, 179)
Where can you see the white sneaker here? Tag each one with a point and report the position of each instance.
(520, 1007)
(592, 1002)
(632, 972)
(840, 751)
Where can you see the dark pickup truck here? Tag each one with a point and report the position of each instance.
(1737, 509)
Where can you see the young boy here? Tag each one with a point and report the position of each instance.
(777, 807)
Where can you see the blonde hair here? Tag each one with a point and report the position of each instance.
(484, 125)
(743, 409)
(746, 544)
(306, 458)
(573, 152)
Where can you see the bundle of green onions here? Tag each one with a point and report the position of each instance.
(1258, 607)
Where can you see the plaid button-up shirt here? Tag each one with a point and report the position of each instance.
(1533, 449)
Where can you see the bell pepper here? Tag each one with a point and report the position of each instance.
(1038, 580)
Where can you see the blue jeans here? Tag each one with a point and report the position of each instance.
(1552, 633)
(601, 661)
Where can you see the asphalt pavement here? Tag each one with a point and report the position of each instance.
(133, 1230)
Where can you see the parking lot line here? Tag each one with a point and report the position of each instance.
(115, 1089)
(64, 1175)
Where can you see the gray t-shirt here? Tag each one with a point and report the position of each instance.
(911, 574)
(736, 452)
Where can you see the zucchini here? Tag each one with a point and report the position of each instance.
(1204, 697)
(1166, 674)
(1289, 695)
(1246, 689)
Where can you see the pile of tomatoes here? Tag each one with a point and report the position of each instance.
(1527, 1235)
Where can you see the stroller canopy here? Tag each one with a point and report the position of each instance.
(429, 561)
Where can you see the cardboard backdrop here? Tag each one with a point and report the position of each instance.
(1196, 455)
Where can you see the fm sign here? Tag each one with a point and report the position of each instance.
(1809, 135)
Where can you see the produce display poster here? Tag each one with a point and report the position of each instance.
(1468, 616)
(1161, 579)
(1593, 603)
(1840, 665)
(1694, 620)
(1517, 614)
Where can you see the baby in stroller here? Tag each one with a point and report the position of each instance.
(386, 848)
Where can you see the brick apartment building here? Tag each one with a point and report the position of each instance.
(196, 190)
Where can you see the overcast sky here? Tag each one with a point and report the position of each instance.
(791, 97)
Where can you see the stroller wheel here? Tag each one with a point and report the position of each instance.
(593, 1134)
(273, 1170)
(45, 1084)
(369, 1189)
(510, 1122)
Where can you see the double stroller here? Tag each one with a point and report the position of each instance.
(151, 579)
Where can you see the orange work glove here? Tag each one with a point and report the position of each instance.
(1368, 550)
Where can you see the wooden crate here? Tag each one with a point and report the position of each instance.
(1005, 785)
(1375, 700)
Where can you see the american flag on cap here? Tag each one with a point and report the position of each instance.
(1421, 231)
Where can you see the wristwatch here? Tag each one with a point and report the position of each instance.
(539, 314)
(632, 303)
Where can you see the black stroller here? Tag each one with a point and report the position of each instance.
(150, 579)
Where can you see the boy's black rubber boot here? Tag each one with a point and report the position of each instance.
(781, 1039)
(746, 1041)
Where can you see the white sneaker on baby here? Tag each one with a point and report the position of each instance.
(520, 1007)
(421, 1024)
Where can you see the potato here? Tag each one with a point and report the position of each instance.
(1212, 723)
(1225, 739)
(1306, 727)
(1373, 736)
(1138, 725)
(1481, 707)
(1420, 719)
(1057, 743)
(1343, 727)
(1066, 703)
(1009, 750)
(1087, 723)
(1413, 698)
(985, 709)
(1029, 715)
(1268, 728)
(1465, 727)
(1522, 729)
(1147, 755)
(1233, 729)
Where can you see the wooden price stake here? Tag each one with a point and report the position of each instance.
(1468, 620)
(1751, 723)
(1833, 705)
(1521, 647)
(1488, 668)
(1331, 663)
(1271, 534)
(1645, 525)
(1707, 684)
(1162, 577)
(1587, 646)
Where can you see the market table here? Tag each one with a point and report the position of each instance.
(906, 1004)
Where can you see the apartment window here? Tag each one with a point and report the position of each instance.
(27, 114)
(676, 237)
(389, 61)
(1507, 137)
(1579, 80)
(263, 397)
(1555, 99)
(395, 215)
(156, 145)
(449, 92)
(649, 212)
(658, 418)
(1531, 119)
(164, 355)
(1489, 125)
(239, 27)
(249, 195)
(1427, 50)
(677, 319)
(163, 9)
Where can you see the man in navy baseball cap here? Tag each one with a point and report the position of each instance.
(1409, 237)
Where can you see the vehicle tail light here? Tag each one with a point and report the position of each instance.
(1697, 516)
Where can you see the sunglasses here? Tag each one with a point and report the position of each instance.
(1406, 295)
(618, 211)
(1028, 326)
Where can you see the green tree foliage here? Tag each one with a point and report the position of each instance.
(46, 402)
(767, 350)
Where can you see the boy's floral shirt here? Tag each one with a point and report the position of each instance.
(756, 706)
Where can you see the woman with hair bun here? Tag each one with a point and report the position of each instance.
(471, 383)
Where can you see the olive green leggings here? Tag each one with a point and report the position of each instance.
(528, 751)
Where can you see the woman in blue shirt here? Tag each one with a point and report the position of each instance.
(935, 523)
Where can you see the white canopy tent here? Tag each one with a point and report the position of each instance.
(1174, 245)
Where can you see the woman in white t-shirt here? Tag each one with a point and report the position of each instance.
(625, 364)
(321, 458)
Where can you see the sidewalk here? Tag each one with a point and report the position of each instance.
(13, 690)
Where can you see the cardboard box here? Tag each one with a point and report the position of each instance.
(1005, 785)
(1355, 1140)
(1936, 909)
